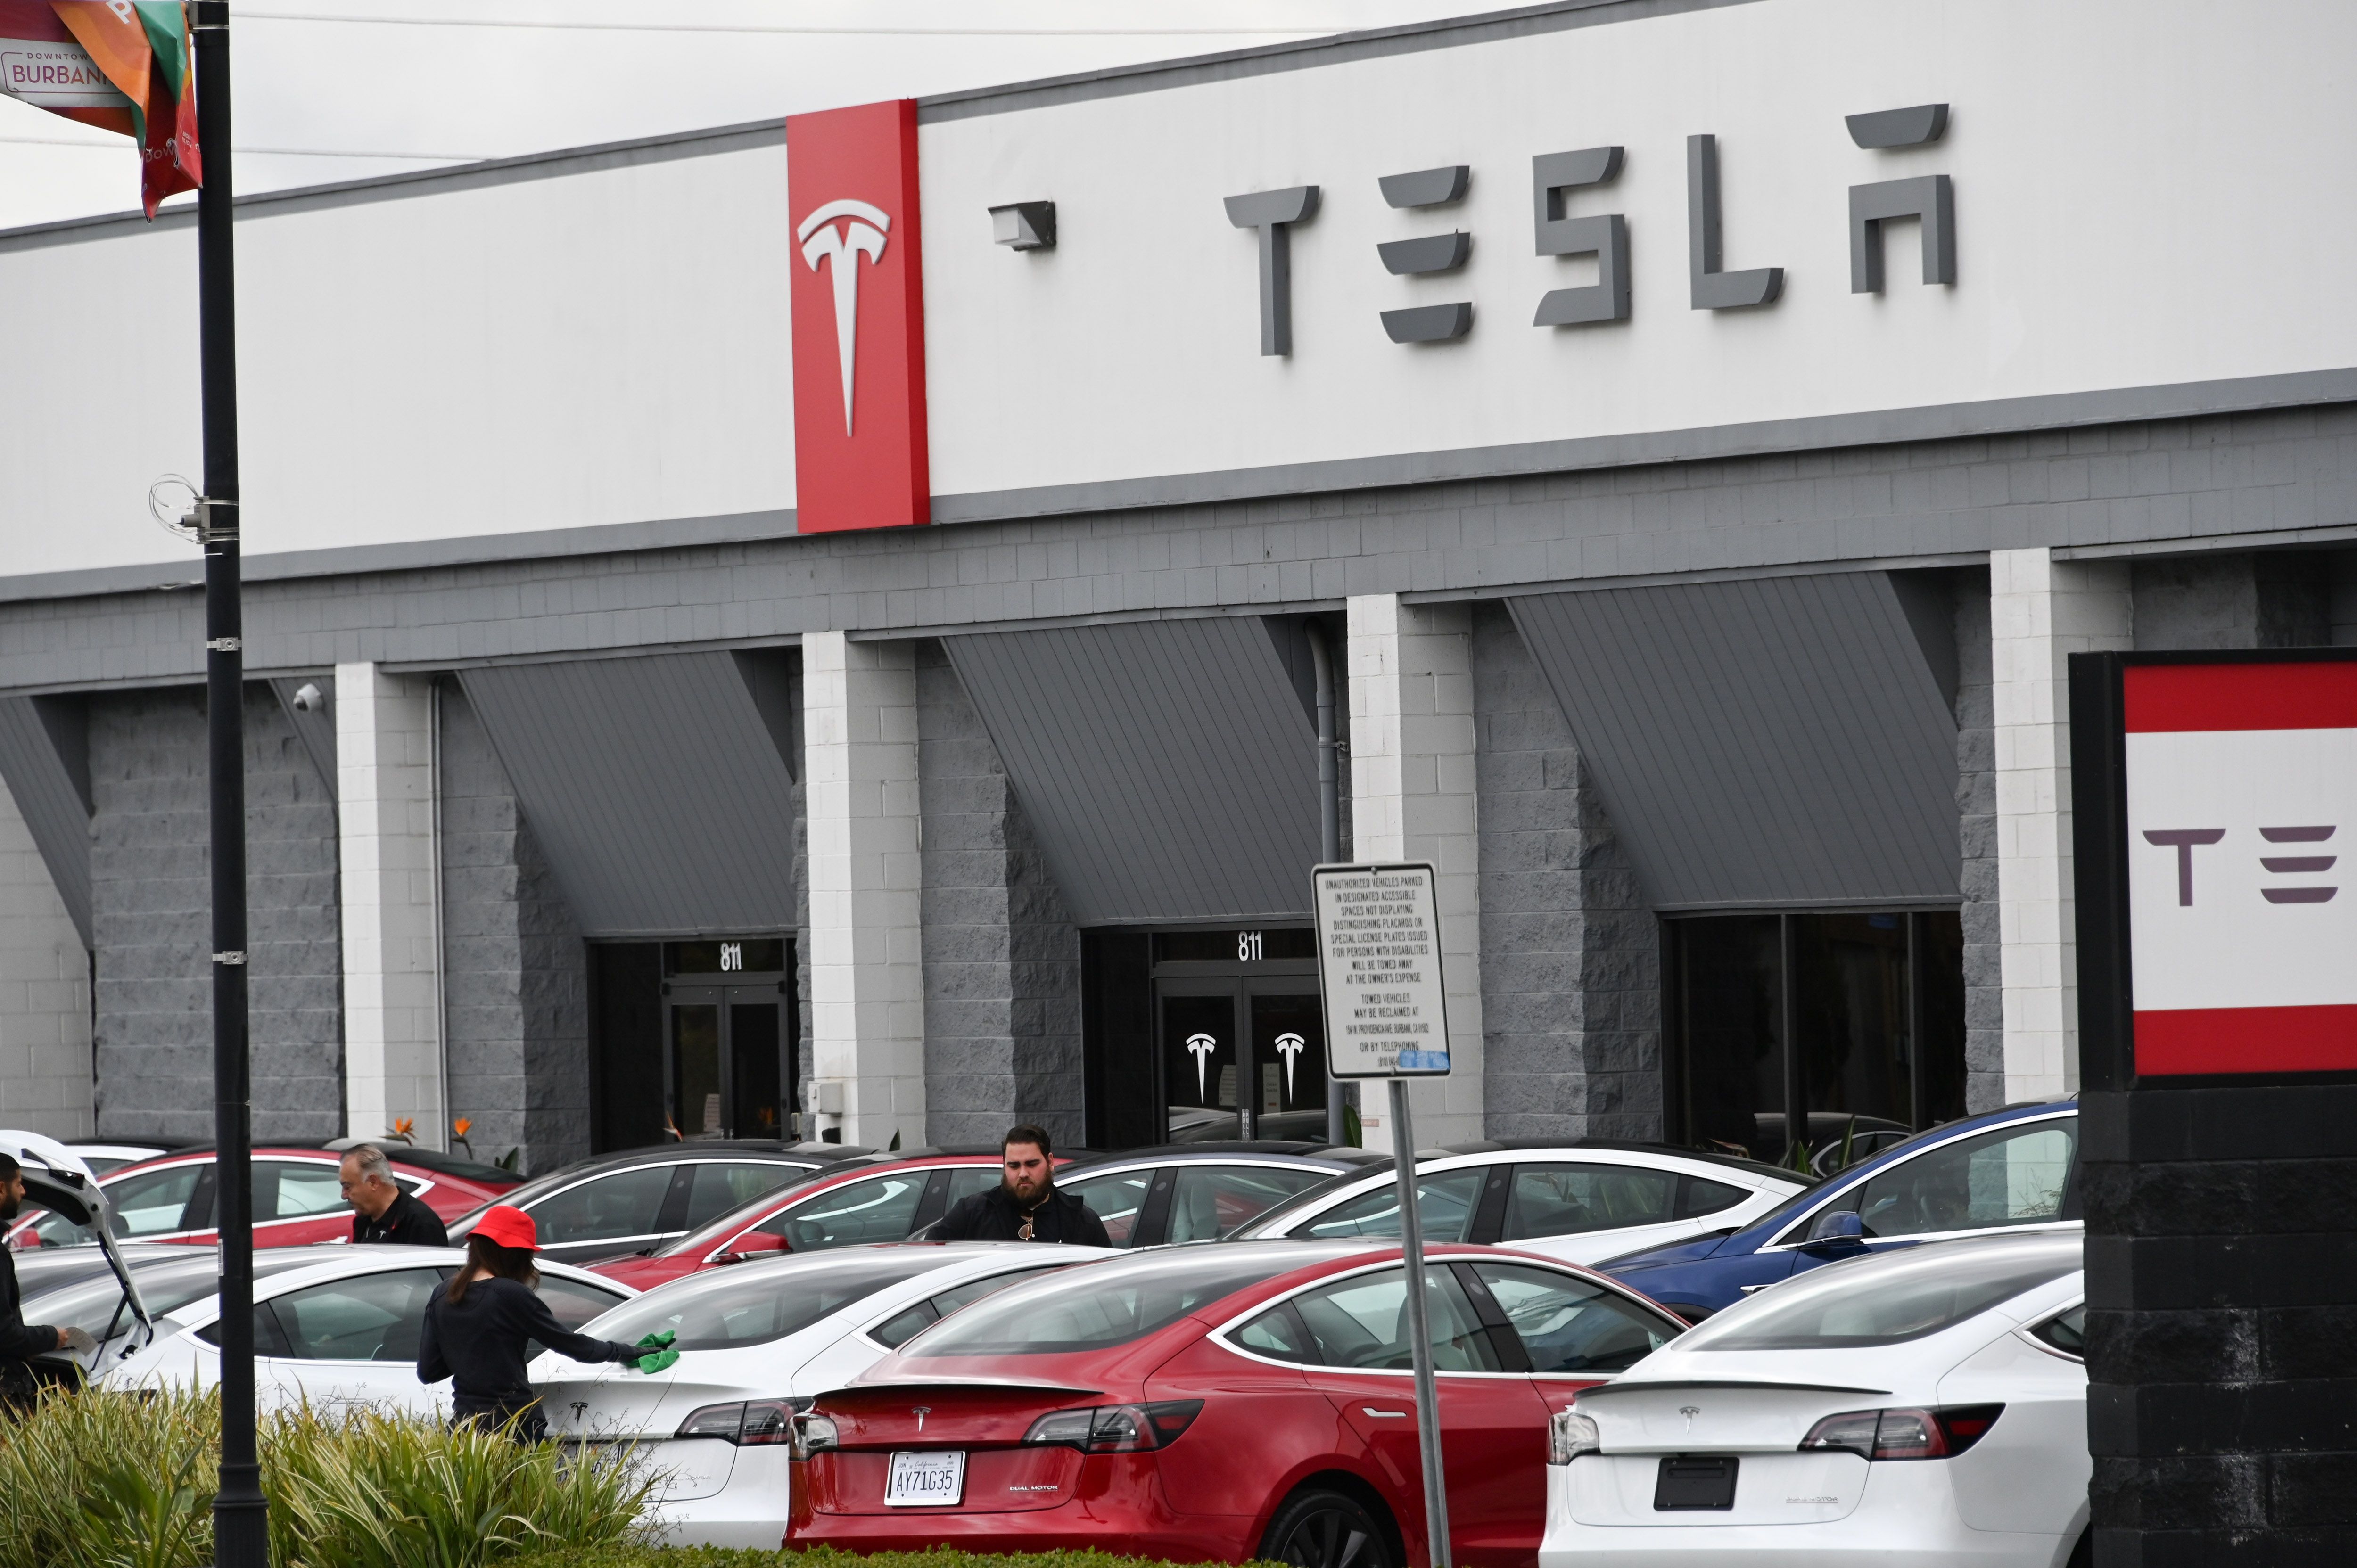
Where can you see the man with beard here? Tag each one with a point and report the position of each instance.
(1025, 1206)
(21, 1341)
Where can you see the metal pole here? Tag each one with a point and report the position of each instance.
(1419, 1327)
(1330, 823)
(241, 1513)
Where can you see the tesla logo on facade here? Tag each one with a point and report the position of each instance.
(1290, 1046)
(856, 285)
(823, 242)
(1202, 1045)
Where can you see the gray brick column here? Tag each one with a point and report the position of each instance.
(1976, 836)
(150, 902)
(515, 987)
(1002, 960)
(1570, 955)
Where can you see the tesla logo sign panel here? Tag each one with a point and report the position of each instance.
(858, 319)
(1379, 967)
(2242, 815)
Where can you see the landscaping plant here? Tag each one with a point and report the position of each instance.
(123, 1480)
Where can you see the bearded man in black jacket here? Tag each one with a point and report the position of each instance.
(1025, 1206)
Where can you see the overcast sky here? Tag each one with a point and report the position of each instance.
(440, 79)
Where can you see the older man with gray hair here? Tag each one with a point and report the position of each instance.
(381, 1210)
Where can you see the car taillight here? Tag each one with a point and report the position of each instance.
(813, 1434)
(1905, 1432)
(1569, 1435)
(1116, 1428)
(750, 1424)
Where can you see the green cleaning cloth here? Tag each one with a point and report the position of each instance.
(658, 1351)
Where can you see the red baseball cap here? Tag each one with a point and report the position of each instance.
(509, 1226)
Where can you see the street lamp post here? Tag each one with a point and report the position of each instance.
(241, 1512)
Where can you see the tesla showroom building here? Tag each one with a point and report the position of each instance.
(828, 618)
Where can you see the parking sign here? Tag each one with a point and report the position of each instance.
(1379, 965)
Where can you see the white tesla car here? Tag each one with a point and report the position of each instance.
(332, 1324)
(757, 1341)
(1581, 1202)
(1925, 1407)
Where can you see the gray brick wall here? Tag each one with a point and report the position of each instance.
(151, 898)
(1002, 960)
(1571, 982)
(2224, 476)
(1976, 835)
(2270, 599)
(515, 983)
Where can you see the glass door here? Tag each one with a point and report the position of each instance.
(1242, 1058)
(726, 1071)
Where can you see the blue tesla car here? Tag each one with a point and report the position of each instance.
(2004, 1171)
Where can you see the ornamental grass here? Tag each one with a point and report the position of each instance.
(101, 1479)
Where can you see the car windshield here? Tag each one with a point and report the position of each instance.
(1884, 1300)
(721, 1229)
(1883, 1161)
(1111, 1304)
(754, 1305)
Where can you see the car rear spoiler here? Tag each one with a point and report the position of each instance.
(55, 1178)
(1667, 1384)
(1004, 1385)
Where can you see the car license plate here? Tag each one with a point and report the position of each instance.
(926, 1480)
(1690, 1483)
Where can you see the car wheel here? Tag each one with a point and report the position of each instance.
(1326, 1529)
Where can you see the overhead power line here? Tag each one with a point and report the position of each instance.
(126, 145)
(791, 28)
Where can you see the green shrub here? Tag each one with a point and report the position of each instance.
(118, 1480)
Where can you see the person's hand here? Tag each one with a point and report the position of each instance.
(76, 1339)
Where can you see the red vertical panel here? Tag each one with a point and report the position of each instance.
(858, 274)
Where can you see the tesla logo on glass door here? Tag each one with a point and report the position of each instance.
(1202, 1045)
(1290, 1046)
(857, 290)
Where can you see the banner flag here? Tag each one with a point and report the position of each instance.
(116, 65)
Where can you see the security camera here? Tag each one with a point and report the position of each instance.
(309, 698)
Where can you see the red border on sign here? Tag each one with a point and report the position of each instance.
(2161, 697)
(2184, 1040)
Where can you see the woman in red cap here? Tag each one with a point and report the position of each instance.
(476, 1331)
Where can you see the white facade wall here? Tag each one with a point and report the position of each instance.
(611, 344)
(2041, 611)
(1413, 797)
(393, 1068)
(45, 1061)
(867, 972)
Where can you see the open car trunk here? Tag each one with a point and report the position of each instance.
(56, 1180)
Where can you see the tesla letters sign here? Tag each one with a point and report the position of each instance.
(1379, 964)
(2242, 806)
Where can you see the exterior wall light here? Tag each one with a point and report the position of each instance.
(1024, 225)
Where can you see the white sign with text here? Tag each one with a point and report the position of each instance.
(1379, 963)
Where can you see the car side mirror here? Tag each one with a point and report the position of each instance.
(1837, 1228)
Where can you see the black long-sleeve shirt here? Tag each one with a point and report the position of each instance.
(994, 1215)
(479, 1342)
(19, 1340)
(408, 1222)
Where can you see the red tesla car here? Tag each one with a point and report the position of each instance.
(297, 1197)
(842, 1206)
(1249, 1400)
